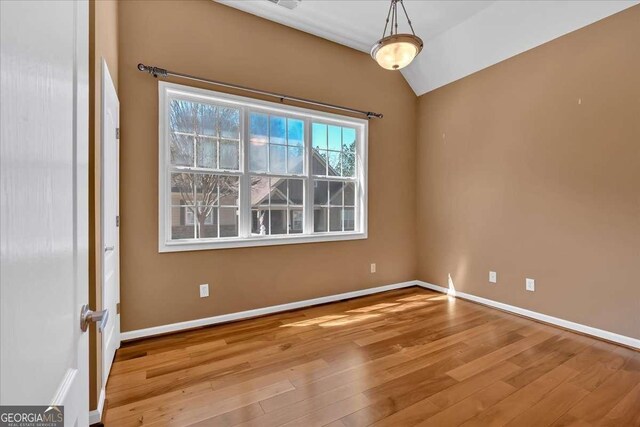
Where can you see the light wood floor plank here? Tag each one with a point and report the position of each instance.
(400, 358)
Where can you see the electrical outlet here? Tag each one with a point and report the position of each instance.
(530, 285)
(373, 267)
(204, 290)
(493, 277)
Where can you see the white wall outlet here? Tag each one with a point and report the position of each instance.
(530, 285)
(373, 267)
(204, 290)
(493, 277)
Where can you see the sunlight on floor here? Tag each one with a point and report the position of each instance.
(353, 316)
(404, 307)
(348, 320)
(373, 307)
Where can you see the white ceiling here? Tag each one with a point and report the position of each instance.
(461, 37)
(359, 23)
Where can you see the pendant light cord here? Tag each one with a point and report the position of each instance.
(387, 22)
(393, 14)
(407, 15)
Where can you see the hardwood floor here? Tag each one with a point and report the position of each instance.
(401, 358)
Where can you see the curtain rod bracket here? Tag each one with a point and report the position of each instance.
(161, 72)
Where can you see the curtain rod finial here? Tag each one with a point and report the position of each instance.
(155, 71)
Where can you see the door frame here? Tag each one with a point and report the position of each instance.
(107, 81)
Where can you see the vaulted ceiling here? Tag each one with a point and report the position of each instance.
(460, 37)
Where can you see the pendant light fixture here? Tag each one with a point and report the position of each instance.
(396, 51)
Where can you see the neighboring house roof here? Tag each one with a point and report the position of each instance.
(260, 187)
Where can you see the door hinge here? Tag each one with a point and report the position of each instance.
(117, 308)
(117, 220)
(117, 133)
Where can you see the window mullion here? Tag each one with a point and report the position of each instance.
(244, 210)
(308, 196)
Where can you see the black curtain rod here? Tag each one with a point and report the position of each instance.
(161, 72)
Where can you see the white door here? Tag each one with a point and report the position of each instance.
(44, 205)
(110, 220)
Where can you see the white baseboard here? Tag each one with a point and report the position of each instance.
(95, 416)
(174, 327)
(584, 329)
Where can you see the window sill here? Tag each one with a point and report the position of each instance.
(236, 242)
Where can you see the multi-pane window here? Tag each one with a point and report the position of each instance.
(241, 172)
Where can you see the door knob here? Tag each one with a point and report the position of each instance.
(109, 248)
(87, 316)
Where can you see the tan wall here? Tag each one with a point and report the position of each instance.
(518, 176)
(211, 40)
(103, 43)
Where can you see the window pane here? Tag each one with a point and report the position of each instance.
(296, 191)
(259, 191)
(349, 194)
(181, 116)
(260, 221)
(229, 155)
(277, 130)
(206, 189)
(258, 156)
(207, 222)
(278, 159)
(296, 160)
(228, 187)
(334, 163)
(228, 222)
(335, 138)
(229, 123)
(348, 152)
(181, 150)
(349, 219)
(182, 225)
(348, 159)
(296, 221)
(279, 221)
(320, 219)
(258, 139)
(206, 119)
(335, 219)
(320, 162)
(206, 153)
(348, 137)
(319, 136)
(335, 193)
(295, 132)
(320, 193)
(182, 189)
(278, 191)
(258, 127)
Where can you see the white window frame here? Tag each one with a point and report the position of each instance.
(245, 239)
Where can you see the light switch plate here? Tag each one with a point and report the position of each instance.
(493, 277)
